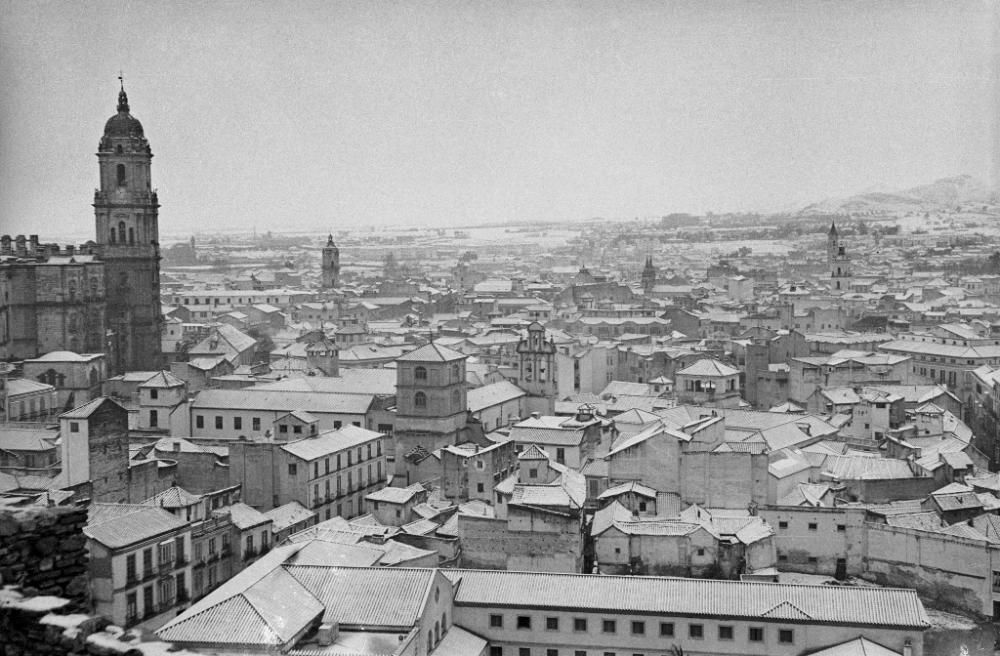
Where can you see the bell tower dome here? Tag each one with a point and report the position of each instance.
(126, 213)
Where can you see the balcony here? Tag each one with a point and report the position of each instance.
(148, 573)
(180, 562)
(226, 550)
(213, 556)
(249, 554)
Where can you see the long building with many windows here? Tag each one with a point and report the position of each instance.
(423, 612)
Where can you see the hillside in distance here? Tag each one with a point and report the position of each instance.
(943, 194)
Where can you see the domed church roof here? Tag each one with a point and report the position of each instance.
(123, 124)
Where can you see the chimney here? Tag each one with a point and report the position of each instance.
(19, 247)
(5, 245)
(33, 242)
(177, 446)
(327, 634)
(907, 648)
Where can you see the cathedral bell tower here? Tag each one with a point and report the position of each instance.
(838, 260)
(125, 211)
(331, 264)
(536, 371)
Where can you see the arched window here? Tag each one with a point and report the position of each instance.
(420, 373)
(121, 175)
(131, 235)
(121, 231)
(71, 287)
(112, 235)
(455, 371)
(118, 149)
(444, 621)
(456, 397)
(437, 633)
(420, 400)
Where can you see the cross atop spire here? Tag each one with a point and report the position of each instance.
(122, 97)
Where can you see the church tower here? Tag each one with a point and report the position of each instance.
(838, 260)
(125, 210)
(331, 264)
(648, 275)
(536, 371)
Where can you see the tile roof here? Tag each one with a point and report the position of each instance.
(331, 441)
(162, 379)
(244, 516)
(367, 597)
(393, 494)
(84, 411)
(251, 398)
(708, 367)
(432, 353)
(862, 606)
(28, 439)
(288, 514)
(173, 497)
(486, 396)
(121, 525)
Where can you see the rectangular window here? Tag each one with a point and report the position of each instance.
(756, 634)
(812, 526)
(551, 623)
(782, 524)
(524, 621)
(154, 419)
(579, 652)
(609, 626)
(218, 422)
(551, 652)
(293, 469)
(524, 651)
(638, 628)
(496, 650)
(579, 623)
(667, 629)
(496, 621)
(199, 421)
(74, 427)
(786, 636)
(256, 423)
(237, 423)
(696, 631)
(130, 571)
(726, 632)
(841, 528)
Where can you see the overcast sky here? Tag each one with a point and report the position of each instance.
(285, 115)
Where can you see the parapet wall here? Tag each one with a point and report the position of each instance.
(19, 246)
(43, 550)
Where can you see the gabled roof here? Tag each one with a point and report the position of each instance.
(532, 453)
(862, 606)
